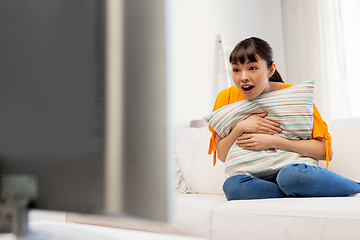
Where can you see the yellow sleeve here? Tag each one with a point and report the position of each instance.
(320, 130)
(221, 101)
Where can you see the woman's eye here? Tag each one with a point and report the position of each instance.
(252, 68)
(235, 70)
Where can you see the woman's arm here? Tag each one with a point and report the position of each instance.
(223, 145)
(256, 123)
(314, 148)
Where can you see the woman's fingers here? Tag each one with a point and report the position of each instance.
(257, 123)
(265, 130)
(245, 141)
(255, 141)
(270, 122)
(262, 115)
(246, 138)
(270, 125)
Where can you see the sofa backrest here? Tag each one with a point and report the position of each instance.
(191, 146)
(345, 136)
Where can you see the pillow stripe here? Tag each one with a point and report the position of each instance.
(253, 161)
(263, 165)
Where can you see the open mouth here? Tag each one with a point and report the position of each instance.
(248, 88)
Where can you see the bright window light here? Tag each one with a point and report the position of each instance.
(350, 10)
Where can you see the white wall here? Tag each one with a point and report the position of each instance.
(292, 41)
(193, 61)
(301, 29)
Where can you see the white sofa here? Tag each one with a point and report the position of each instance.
(208, 214)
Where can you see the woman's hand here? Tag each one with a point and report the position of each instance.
(314, 148)
(256, 142)
(254, 124)
(257, 123)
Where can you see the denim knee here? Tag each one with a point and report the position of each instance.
(292, 179)
(244, 187)
(231, 186)
(311, 181)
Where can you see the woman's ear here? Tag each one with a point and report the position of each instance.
(272, 70)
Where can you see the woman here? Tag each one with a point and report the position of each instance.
(254, 73)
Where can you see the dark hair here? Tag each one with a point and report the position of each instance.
(250, 49)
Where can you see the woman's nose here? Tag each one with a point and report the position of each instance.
(244, 77)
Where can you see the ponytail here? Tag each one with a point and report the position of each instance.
(276, 77)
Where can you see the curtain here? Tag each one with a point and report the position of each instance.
(316, 28)
(334, 84)
(350, 18)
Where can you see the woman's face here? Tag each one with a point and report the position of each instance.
(251, 78)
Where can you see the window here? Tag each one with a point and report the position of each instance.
(350, 16)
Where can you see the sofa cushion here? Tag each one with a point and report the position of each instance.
(191, 145)
(288, 218)
(193, 212)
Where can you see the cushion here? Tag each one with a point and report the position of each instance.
(197, 172)
(344, 137)
(180, 184)
(194, 212)
(292, 108)
(288, 218)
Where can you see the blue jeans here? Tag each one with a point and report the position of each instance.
(294, 180)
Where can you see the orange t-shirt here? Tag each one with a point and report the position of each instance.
(233, 94)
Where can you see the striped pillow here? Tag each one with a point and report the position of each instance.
(292, 108)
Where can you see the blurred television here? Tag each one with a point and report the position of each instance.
(54, 106)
